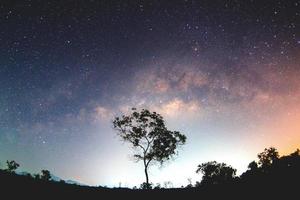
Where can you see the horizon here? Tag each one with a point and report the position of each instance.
(225, 74)
(166, 184)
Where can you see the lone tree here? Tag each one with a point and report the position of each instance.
(149, 136)
(12, 166)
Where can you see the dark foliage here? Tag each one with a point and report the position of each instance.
(272, 169)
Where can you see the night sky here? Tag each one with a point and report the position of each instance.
(224, 73)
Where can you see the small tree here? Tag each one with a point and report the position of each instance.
(12, 166)
(149, 136)
(46, 176)
(216, 173)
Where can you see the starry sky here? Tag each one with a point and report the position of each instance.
(224, 73)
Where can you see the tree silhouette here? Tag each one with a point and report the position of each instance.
(215, 173)
(148, 135)
(46, 176)
(272, 170)
(12, 166)
(268, 157)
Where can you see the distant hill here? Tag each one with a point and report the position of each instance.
(54, 178)
(58, 179)
(23, 173)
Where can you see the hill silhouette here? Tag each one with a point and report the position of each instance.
(270, 177)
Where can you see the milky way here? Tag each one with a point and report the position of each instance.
(225, 73)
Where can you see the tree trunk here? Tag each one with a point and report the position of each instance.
(146, 173)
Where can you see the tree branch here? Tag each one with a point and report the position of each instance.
(124, 131)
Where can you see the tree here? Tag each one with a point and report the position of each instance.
(216, 173)
(253, 166)
(147, 133)
(12, 166)
(46, 176)
(268, 157)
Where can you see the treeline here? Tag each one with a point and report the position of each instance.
(12, 166)
(271, 168)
